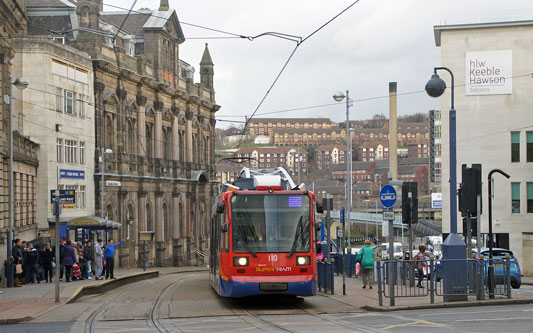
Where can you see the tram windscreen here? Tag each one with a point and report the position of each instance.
(271, 223)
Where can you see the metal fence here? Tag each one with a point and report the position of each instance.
(453, 279)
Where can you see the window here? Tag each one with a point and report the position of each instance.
(80, 202)
(70, 151)
(59, 150)
(530, 197)
(81, 106)
(515, 198)
(515, 146)
(82, 152)
(529, 147)
(59, 100)
(69, 102)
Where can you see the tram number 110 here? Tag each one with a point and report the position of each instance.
(272, 257)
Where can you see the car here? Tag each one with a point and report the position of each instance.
(498, 254)
(499, 266)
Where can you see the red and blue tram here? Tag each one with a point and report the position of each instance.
(262, 241)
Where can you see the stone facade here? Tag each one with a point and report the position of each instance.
(485, 124)
(59, 116)
(12, 23)
(159, 125)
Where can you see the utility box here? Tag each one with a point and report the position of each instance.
(454, 272)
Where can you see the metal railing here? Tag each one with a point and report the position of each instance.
(453, 279)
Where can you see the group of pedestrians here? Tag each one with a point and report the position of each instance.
(77, 261)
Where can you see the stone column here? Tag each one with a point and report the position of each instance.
(158, 129)
(175, 139)
(159, 244)
(188, 138)
(177, 243)
(141, 126)
(141, 226)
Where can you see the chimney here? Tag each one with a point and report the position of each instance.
(163, 7)
(393, 131)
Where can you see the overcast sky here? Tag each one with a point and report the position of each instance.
(371, 44)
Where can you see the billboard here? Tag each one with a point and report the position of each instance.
(489, 72)
(68, 199)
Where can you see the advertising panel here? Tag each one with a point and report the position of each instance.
(489, 73)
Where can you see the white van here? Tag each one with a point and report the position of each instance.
(398, 250)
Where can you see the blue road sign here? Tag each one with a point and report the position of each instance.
(387, 196)
(342, 215)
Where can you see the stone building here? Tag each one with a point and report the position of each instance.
(492, 65)
(59, 115)
(273, 157)
(327, 156)
(158, 123)
(265, 126)
(12, 23)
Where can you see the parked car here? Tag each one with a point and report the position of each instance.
(498, 255)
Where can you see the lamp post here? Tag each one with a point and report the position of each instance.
(453, 247)
(21, 84)
(339, 97)
(491, 243)
(102, 160)
(296, 157)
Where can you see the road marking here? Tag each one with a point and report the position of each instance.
(419, 322)
(493, 319)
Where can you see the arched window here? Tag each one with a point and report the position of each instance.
(109, 132)
(167, 231)
(149, 141)
(182, 146)
(149, 218)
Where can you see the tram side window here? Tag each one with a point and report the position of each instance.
(226, 234)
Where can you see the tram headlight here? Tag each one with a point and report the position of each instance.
(240, 261)
(303, 261)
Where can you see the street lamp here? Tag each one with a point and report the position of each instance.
(21, 84)
(453, 247)
(296, 153)
(102, 160)
(339, 97)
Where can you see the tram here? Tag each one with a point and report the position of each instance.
(263, 237)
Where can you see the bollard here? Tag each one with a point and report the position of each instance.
(380, 294)
(431, 277)
(481, 278)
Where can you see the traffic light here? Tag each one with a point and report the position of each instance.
(410, 207)
(470, 188)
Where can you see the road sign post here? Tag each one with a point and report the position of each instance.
(388, 197)
(343, 252)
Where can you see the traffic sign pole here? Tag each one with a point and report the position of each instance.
(388, 197)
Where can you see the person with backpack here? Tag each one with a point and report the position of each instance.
(366, 257)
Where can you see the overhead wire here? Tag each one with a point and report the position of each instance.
(299, 41)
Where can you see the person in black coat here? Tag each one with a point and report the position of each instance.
(32, 256)
(88, 255)
(69, 259)
(18, 258)
(47, 258)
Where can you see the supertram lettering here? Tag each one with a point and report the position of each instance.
(264, 269)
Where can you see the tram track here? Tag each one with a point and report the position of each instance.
(153, 320)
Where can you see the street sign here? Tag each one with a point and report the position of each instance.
(342, 215)
(388, 216)
(388, 196)
(339, 233)
(113, 183)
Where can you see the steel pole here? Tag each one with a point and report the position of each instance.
(348, 170)
(57, 241)
(102, 189)
(299, 162)
(10, 268)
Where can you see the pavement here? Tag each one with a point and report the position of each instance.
(368, 299)
(31, 300)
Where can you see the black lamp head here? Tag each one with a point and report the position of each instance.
(435, 86)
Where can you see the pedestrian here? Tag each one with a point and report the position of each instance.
(25, 268)
(99, 259)
(47, 259)
(365, 256)
(88, 255)
(32, 256)
(18, 260)
(420, 264)
(69, 259)
(109, 258)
